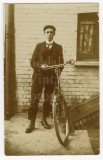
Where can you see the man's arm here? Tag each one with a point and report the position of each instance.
(35, 61)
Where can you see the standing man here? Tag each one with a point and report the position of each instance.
(45, 54)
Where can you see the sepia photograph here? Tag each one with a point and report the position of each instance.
(51, 79)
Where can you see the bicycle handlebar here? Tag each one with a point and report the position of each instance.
(58, 65)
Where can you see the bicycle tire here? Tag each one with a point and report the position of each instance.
(61, 120)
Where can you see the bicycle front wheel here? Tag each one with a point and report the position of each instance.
(61, 123)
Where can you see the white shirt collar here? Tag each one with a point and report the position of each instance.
(49, 42)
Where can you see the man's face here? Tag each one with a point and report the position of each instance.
(49, 34)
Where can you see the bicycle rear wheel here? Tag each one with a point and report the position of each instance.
(61, 122)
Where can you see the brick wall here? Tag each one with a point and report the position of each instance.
(77, 83)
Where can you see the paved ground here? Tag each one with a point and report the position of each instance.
(93, 132)
(42, 141)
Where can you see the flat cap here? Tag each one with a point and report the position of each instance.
(49, 26)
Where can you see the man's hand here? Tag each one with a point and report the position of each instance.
(71, 61)
(43, 67)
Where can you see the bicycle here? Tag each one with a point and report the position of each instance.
(62, 122)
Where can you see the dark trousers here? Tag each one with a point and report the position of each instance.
(48, 82)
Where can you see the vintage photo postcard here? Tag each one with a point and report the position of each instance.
(51, 79)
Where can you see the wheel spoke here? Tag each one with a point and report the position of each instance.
(61, 124)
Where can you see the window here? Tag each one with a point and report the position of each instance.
(88, 37)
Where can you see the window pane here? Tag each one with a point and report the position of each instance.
(86, 38)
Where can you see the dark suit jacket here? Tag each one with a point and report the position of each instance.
(43, 55)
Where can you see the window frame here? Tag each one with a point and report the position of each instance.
(95, 55)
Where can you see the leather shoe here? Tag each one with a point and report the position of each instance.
(45, 124)
(30, 128)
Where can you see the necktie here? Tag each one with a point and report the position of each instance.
(49, 46)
